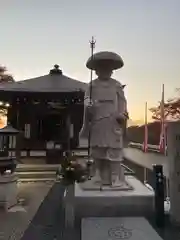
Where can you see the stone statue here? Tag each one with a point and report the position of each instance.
(105, 117)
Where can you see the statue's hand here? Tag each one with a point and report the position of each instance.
(121, 118)
(88, 102)
(90, 105)
(90, 110)
(126, 115)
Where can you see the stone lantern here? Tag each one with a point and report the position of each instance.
(8, 179)
(8, 143)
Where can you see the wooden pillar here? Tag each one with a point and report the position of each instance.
(18, 147)
(9, 115)
(12, 115)
(77, 119)
(68, 137)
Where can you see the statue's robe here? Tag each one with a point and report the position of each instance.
(106, 134)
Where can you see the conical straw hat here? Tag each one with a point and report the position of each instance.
(105, 59)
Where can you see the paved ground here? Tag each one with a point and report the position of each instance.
(48, 222)
(14, 223)
(142, 164)
(146, 159)
(168, 232)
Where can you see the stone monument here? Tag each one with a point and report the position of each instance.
(173, 149)
(110, 193)
(105, 118)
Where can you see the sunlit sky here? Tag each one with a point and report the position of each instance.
(36, 34)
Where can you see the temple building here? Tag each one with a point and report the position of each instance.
(41, 108)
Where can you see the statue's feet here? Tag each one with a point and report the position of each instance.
(117, 183)
(96, 179)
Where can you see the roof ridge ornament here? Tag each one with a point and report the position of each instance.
(56, 70)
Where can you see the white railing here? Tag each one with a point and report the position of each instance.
(151, 148)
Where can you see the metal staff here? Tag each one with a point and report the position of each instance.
(92, 46)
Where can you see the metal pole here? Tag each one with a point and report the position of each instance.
(164, 132)
(145, 175)
(92, 46)
(159, 194)
(167, 191)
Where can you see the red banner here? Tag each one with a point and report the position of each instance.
(145, 143)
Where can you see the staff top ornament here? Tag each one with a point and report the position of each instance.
(105, 59)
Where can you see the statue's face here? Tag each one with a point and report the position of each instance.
(104, 73)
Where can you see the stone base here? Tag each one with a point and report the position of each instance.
(92, 185)
(139, 201)
(8, 190)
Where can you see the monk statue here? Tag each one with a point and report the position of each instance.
(105, 118)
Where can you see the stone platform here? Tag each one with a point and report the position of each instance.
(135, 201)
(8, 190)
(134, 228)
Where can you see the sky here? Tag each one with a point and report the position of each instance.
(35, 35)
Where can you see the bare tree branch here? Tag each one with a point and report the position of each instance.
(171, 108)
(5, 77)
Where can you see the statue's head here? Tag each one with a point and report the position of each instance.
(104, 63)
(104, 73)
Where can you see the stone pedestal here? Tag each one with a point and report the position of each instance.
(135, 199)
(95, 185)
(173, 148)
(8, 190)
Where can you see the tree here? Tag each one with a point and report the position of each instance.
(156, 111)
(4, 76)
(136, 133)
(171, 108)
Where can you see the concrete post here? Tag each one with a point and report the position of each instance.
(173, 149)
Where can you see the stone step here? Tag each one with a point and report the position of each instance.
(26, 180)
(35, 175)
(37, 167)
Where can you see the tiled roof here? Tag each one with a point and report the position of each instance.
(53, 82)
